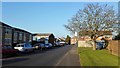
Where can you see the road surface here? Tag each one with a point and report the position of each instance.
(59, 56)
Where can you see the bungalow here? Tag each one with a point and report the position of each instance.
(61, 38)
(37, 36)
(49, 36)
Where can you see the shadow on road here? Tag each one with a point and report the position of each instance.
(5, 62)
(35, 52)
(38, 51)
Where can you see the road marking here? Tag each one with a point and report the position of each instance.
(10, 58)
(63, 58)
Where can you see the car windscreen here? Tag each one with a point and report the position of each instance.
(20, 45)
(9, 47)
(28, 45)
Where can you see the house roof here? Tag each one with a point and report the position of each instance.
(74, 37)
(17, 29)
(42, 34)
(98, 33)
(3, 24)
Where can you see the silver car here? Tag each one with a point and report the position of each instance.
(24, 47)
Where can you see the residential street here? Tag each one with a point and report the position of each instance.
(60, 56)
(61, 34)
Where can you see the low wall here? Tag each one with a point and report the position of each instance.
(113, 47)
(84, 43)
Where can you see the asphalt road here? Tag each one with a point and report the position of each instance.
(51, 57)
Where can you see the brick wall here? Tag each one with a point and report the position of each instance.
(114, 47)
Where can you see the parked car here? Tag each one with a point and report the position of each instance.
(8, 51)
(100, 44)
(39, 46)
(49, 45)
(57, 44)
(36, 46)
(53, 45)
(61, 43)
(42, 45)
(24, 47)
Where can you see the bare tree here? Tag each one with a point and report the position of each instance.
(94, 18)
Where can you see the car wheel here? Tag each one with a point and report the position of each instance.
(26, 51)
(41, 48)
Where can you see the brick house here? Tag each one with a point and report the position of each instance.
(73, 40)
(11, 36)
(21, 36)
(102, 34)
(5, 34)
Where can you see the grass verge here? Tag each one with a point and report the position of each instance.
(101, 58)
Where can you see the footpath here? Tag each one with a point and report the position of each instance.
(71, 58)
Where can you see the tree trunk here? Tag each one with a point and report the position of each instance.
(94, 45)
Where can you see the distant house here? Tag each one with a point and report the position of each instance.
(40, 36)
(61, 39)
(73, 40)
(51, 39)
(102, 34)
(37, 36)
(84, 40)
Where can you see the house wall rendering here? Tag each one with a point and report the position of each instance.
(49, 36)
(37, 36)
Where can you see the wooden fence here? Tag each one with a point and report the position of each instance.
(114, 47)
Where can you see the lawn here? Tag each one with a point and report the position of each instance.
(100, 58)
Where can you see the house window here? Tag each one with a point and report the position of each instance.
(8, 31)
(24, 37)
(8, 36)
(20, 36)
(107, 36)
(7, 41)
(15, 37)
(30, 38)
